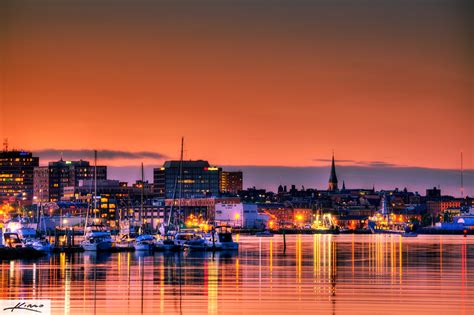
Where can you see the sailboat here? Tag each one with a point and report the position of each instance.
(123, 240)
(144, 241)
(96, 237)
(180, 237)
(37, 240)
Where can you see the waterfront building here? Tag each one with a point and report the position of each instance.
(240, 215)
(203, 208)
(280, 215)
(332, 183)
(113, 197)
(438, 207)
(187, 179)
(69, 173)
(231, 182)
(153, 215)
(41, 184)
(16, 176)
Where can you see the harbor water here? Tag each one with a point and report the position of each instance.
(324, 274)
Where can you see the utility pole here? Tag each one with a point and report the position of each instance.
(462, 177)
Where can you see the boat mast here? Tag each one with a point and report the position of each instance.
(38, 224)
(180, 180)
(172, 204)
(177, 178)
(141, 204)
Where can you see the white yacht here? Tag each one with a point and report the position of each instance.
(97, 238)
(196, 242)
(29, 236)
(182, 237)
(166, 243)
(144, 242)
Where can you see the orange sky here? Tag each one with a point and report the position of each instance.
(245, 82)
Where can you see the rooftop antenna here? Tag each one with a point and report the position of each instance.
(95, 184)
(5, 145)
(462, 177)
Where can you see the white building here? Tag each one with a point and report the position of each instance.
(240, 214)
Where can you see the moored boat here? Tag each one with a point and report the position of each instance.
(221, 239)
(124, 243)
(97, 238)
(196, 243)
(409, 234)
(265, 233)
(182, 237)
(166, 244)
(144, 242)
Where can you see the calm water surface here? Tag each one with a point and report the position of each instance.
(335, 274)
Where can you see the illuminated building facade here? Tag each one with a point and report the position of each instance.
(16, 176)
(231, 182)
(240, 215)
(199, 179)
(69, 173)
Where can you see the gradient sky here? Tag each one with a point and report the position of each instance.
(246, 82)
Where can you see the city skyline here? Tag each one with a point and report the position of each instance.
(294, 82)
(237, 156)
(364, 175)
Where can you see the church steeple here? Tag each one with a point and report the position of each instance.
(332, 184)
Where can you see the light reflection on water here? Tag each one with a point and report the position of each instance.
(337, 274)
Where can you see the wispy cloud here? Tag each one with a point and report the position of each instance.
(54, 154)
(360, 163)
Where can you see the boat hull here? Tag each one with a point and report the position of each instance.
(95, 247)
(196, 245)
(142, 247)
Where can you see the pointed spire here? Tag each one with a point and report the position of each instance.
(343, 185)
(333, 177)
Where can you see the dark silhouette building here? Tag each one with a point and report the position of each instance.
(69, 173)
(332, 184)
(187, 179)
(231, 182)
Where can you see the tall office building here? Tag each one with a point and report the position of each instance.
(199, 179)
(41, 184)
(231, 182)
(16, 176)
(69, 173)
